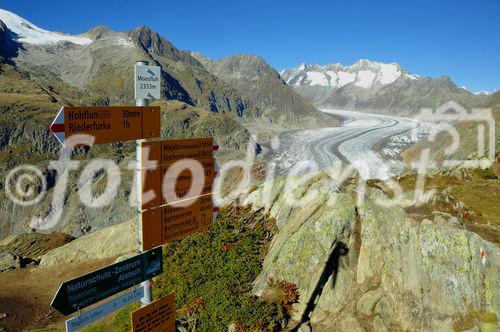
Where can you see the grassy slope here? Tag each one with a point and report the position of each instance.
(472, 198)
(467, 132)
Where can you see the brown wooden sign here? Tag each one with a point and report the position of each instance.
(166, 184)
(171, 222)
(158, 316)
(167, 152)
(107, 124)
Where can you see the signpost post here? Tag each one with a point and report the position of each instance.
(93, 287)
(177, 211)
(147, 86)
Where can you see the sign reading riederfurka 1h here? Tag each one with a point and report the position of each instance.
(147, 82)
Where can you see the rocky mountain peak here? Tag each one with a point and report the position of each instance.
(152, 42)
(98, 32)
(251, 67)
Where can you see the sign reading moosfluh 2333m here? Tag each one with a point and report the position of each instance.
(147, 82)
(93, 287)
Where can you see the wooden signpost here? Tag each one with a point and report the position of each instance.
(180, 201)
(158, 316)
(179, 174)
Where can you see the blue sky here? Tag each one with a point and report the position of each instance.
(457, 38)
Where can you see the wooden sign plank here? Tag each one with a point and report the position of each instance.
(158, 316)
(166, 152)
(107, 124)
(162, 183)
(172, 222)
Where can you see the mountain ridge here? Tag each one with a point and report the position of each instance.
(254, 77)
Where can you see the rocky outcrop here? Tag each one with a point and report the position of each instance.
(109, 242)
(370, 266)
(33, 245)
(9, 261)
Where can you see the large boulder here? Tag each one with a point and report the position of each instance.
(109, 242)
(33, 245)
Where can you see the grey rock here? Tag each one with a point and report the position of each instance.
(445, 218)
(367, 301)
(304, 327)
(474, 329)
(307, 235)
(9, 261)
(429, 273)
(350, 323)
(113, 241)
(379, 325)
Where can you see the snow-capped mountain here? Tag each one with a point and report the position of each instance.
(374, 86)
(26, 32)
(363, 73)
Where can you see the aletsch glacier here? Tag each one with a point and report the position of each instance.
(352, 143)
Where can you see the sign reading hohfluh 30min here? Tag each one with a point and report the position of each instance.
(107, 124)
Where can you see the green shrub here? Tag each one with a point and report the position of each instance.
(487, 173)
(211, 275)
(122, 321)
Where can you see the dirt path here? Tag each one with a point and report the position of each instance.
(25, 294)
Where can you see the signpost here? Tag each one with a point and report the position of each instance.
(158, 316)
(182, 204)
(93, 287)
(107, 124)
(104, 309)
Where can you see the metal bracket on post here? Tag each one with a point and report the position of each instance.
(148, 289)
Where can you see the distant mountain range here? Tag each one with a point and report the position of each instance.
(375, 87)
